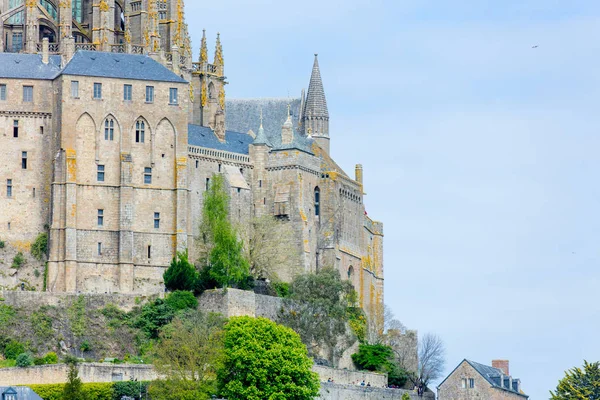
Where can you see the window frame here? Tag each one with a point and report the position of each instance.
(75, 89)
(9, 188)
(3, 91)
(27, 93)
(109, 129)
(149, 94)
(156, 220)
(97, 95)
(100, 172)
(23, 160)
(100, 217)
(127, 92)
(140, 131)
(15, 128)
(173, 96)
(147, 175)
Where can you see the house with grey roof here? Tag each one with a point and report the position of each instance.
(18, 393)
(472, 380)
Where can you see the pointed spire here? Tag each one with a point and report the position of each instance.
(261, 137)
(203, 49)
(316, 104)
(219, 62)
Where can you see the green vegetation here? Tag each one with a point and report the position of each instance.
(317, 308)
(379, 358)
(42, 323)
(12, 349)
(579, 384)
(73, 388)
(188, 355)
(2, 244)
(18, 261)
(182, 300)
(89, 391)
(358, 323)
(77, 317)
(405, 396)
(264, 360)
(39, 247)
(181, 275)
(24, 360)
(282, 289)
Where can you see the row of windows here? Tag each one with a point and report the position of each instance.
(9, 189)
(127, 93)
(101, 250)
(16, 128)
(101, 219)
(470, 383)
(27, 93)
(101, 170)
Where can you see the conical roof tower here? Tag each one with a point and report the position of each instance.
(315, 115)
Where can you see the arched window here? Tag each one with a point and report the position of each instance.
(109, 129)
(211, 90)
(317, 201)
(350, 273)
(140, 131)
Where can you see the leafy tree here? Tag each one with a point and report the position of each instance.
(188, 356)
(220, 250)
(24, 360)
(132, 389)
(153, 316)
(181, 275)
(13, 349)
(182, 300)
(73, 386)
(579, 384)
(375, 357)
(264, 360)
(318, 310)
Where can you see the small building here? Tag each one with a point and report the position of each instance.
(471, 380)
(18, 393)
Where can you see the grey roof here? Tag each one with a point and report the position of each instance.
(22, 392)
(261, 137)
(118, 65)
(492, 375)
(244, 115)
(28, 66)
(235, 142)
(316, 104)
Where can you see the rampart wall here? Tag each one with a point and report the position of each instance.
(334, 391)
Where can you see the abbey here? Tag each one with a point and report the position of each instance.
(110, 134)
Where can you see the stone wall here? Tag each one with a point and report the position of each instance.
(347, 377)
(89, 373)
(34, 300)
(234, 302)
(334, 391)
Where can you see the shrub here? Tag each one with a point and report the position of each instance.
(405, 396)
(85, 346)
(181, 300)
(13, 349)
(89, 391)
(154, 316)
(18, 261)
(373, 357)
(39, 361)
(282, 289)
(39, 248)
(51, 358)
(1, 244)
(130, 389)
(7, 313)
(24, 360)
(182, 274)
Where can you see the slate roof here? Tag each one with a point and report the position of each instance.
(22, 392)
(316, 104)
(118, 65)
(28, 66)
(235, 142)
(244, 115)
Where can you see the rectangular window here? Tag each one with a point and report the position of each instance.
(156, 220)
(173, 97)
(99, 248)
(149, 251)
(149, 94)
(260, 183)
(127, 92)
(196, 163)
(2, 92)
(34, 193)
(27, 94)
(17, 42)
(97, 91)
(24, 160)
(471, 383)
(100, 217)
(207, 183)
(463, 383)
(9, 187)
(100, 173)
(75, 89)
(16, 128)
(147, 176)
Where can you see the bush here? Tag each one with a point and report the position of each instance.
(18, 261)
(373, 357)
(1, 244)
(154, 316)
(282, 289)
(24, 360)
(405, 396)
(130, 389)
(181, 300)
(85, 346)
(51, 358)
(39, 248)
(181, 275)
(90, 391)
(13, 349)
(39, 361)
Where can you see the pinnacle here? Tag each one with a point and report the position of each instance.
(316, 103)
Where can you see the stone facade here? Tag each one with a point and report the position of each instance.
(471, 381)
(95, 151)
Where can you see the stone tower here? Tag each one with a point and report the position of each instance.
(208, 82)
(315, 116)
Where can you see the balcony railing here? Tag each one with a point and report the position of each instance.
(86, 46)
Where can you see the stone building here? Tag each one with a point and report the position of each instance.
(471, 380)
(110, 135)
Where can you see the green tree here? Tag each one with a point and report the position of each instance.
(24, 360)
(219, 247)
(13, 349)
(73, 386)
(373, 357)
(188, 356)
(318, 309)
(264, 360)
(181, 275)
(182, 300)
(579, 384)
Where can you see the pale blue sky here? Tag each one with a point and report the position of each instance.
(481, 155)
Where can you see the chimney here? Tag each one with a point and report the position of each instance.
(45, 50)
(358, 173)
(502, 365)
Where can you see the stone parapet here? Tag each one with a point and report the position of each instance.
(334, 391)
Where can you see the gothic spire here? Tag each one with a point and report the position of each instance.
(219, 62)
(204, 49)
(316, 104)
(261, 137)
